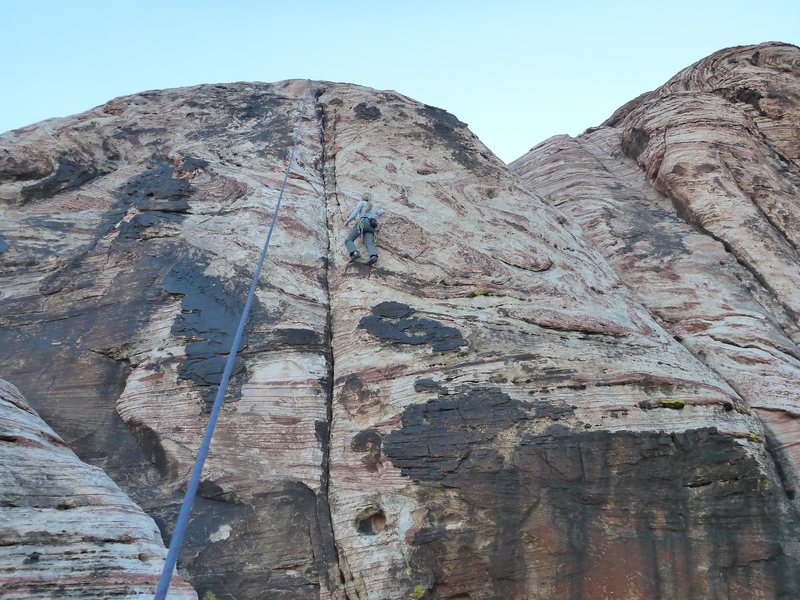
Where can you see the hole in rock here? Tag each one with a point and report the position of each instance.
(371, 521)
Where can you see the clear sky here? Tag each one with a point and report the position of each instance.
(517, 72)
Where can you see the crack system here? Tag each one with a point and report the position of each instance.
(783, 464)
(327, 171)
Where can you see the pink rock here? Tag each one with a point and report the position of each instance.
(690, 191)
(487, 412)
(66, 529)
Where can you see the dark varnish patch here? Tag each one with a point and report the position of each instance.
(267, 118)
(393, 310)
(158, 194)
(134, 135)
(696, 499)
(438, 435)
(156, 183)
(369, 113)
(393, 322)
(163, 205)
(274, 138)
(16, 169)
(135, 228)
(429, 385)
(745, 95)
(445, 128)
(634, 141)
(651, 231)
(191, 163)
(255, 105)
(285, 524)
(150, 443)
(553, 411)
(295, 337)
(209, 317)
(368, 441)
(442, 120)
(69, 175)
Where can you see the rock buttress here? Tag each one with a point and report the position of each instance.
(66, 529)
(507, 420)
(120, 296)
(691, 195)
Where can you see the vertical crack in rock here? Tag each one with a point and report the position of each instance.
(782, 315)
(325, 516)
(766, 214)
(782, 464)
(689, 216)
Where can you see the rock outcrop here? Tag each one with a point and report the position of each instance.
(691, 192)
(66, 530)
(487, 412)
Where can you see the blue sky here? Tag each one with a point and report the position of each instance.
(516, 72)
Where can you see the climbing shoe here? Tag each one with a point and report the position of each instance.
(372, 259)
(354, 256)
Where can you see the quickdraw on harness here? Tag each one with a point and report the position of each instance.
(373, 223)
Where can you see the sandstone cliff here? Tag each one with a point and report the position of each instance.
(489, 412)
(67, 530)
(691, 192)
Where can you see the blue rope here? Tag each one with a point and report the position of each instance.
(191, 491)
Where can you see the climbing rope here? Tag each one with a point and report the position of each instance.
(194, 482)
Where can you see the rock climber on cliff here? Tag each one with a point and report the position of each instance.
(366, 226)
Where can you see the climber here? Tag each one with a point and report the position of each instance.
(366, 226)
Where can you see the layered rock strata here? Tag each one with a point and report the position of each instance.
(691, 192)
(507, 422)
(126, 270)
(487, 412)
(66, 529)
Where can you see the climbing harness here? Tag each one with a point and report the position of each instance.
(374, 226)
(194, 482)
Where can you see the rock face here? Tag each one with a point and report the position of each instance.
(66, 530)
(691, 192)
(488, 412)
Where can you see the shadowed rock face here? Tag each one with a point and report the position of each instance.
(487, 412)
(66, 530)
(584, 507)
